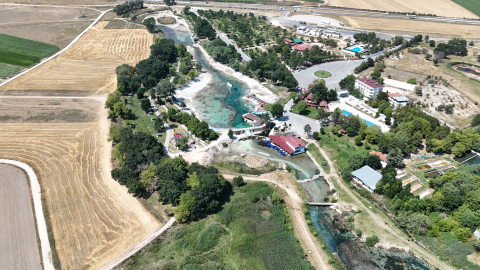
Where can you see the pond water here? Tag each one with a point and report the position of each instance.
(220, 103)
(470, 158)
(302, 163)
(467, 69)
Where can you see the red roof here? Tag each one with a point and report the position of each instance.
(323, 103)
(309, 96)
(370, 83)
(177, 135)
(252, 117)
(287, 142)
(342, 131)
(288, 40)
(301, 47)
(380, 155)
(395, 95)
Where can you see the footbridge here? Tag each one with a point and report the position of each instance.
(320, 204)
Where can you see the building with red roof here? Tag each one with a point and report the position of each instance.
(368, 88)
(253, 119)
(309, 101)
(290, 144)
(397, 99)
(301, 47)
(289, 41)
(323, 105)
(380, 155)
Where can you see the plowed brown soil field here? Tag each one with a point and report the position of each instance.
(89, 65)
(445, 8)
(93, 218)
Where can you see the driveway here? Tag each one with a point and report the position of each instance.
(339, 70)
(297, 121)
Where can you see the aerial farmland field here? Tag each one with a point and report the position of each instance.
(89, 65)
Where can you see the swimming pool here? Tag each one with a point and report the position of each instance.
(363, 120)
(356, 49)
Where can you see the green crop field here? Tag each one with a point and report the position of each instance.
(252, 231)
(472, 5)
(7, 71)
(23, 52)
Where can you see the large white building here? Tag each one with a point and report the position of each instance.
(368, 88)
(397, 100)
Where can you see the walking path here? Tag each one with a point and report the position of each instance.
(380, 220)
(37, 203)
(58, 53)
(168, 131)
(141, 245)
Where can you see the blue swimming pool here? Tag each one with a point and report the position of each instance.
(363, 120)
(356, 49)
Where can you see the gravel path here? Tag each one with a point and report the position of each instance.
(18, 246)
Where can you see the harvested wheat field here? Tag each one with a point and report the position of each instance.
(89, 65)
(94, 219)
(445, 8)
(414, 27)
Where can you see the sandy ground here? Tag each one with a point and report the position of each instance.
(414, 27)
(315, 19)
(89, 65)
(389, 234)
(445, 8)
(308, 242)
(18, 240)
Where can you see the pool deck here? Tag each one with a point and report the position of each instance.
(343, 106)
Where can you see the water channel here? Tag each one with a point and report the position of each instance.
(219, 101)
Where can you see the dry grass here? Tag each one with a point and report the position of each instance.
(89, 65)
(439, 7)
(65, 2)
(399, 26)
(55, 26)
(93, 221)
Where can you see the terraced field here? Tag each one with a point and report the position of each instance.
(93, 219)
(89, 65)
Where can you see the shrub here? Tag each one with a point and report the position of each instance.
(372, 240)
(324, 163)
(224, 144)
(238, 181)
(208, 238)
(412, 81)
(358, 232)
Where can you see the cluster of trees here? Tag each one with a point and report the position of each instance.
(364, 65)
(195, 126)
(148, 72)
(242, 26)
(455, 46)
(357, 161)
(320, 91)
(295, 58)
(201, 27)
(352, 124)
(117, 107)
(224, 54)
(128, 7)
(376, 44)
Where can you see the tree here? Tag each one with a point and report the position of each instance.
(459, 149)
(432, 43)
(292, 95)
(412, 81)
(198, 66)
(147, 176)
(316, 135)
(277, 110)
(476, 120)
(388, 120)
(238, 181)
(149, 24)
(376, 73)
(469, 219)
(358, 140)
(145, 104)
(165, 88)
(372, 240)
(462, 234)
(374, 162)
(418, 90)
(230, 133)
(395, 157)
(307, 129)
(192, 74)
(302, 105)
(121, 110)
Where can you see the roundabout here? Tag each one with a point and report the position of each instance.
(323, 74)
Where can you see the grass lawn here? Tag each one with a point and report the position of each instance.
(143, 122)
(166, 20)
(322, 74)
(250, 232)
(313, 149)
(7, 71)
(23, 52)
(310, 112)
(471, 5)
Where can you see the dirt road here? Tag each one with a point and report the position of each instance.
(309, 243)
(18, 241)
(380, 220)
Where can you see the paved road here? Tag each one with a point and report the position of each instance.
(168, 135)
(41, 225)
(339, 70)
(297, 121)
(18, 242)
(245, 57)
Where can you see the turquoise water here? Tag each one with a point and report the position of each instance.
(356, 49)
(220, 103)
(363, 120)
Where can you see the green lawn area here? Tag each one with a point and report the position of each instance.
(310, 112)
(142, 122)
(250, 232)
(471, 5)
(23, 52)
(322, 74)
(313, 149)
(7, 71)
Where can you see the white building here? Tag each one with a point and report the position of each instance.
(331, 33)
(368, 88)
(397, 100)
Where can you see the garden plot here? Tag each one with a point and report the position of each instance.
(409, 180)
(89, 65)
